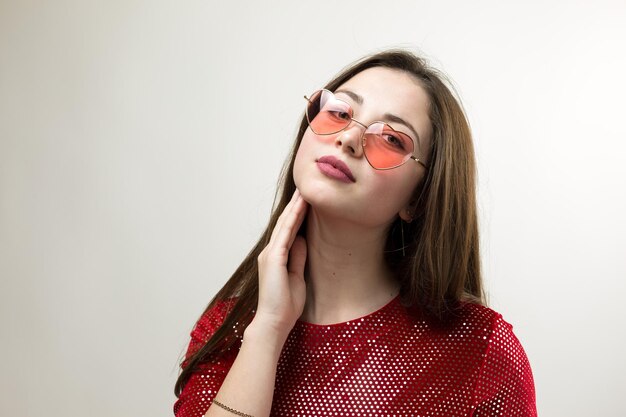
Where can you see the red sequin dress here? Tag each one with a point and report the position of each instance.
(392, 362)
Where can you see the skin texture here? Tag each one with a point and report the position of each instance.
(347, 223)
(377, 196)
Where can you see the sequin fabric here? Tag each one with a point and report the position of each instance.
(392, 362)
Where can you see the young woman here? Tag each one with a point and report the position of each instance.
(364, 297)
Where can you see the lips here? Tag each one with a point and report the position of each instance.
(338, 165)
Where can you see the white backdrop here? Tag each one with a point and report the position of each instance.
(140, 142)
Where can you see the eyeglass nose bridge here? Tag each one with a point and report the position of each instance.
(357, 122)
(362, 137)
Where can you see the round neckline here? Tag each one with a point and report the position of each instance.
(376, 312)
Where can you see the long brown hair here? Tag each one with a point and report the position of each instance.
(440, 267)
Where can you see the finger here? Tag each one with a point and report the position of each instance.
(280, 222)
(290, 225)
(297, 257)
(300, 210)
(285, 236)
(281, 218)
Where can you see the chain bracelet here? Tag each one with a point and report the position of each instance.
(232, 410)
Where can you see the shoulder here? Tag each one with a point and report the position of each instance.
(212, 318)
(500, 331)
(478, 312)
(482, 330)
(505, 381)
(496, 331)
(469, 326)
(471, 321)
(206, 326)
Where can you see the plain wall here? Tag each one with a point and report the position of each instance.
(140, 142)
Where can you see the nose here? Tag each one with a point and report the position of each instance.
(350, 139)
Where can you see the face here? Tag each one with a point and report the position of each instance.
(368, 196)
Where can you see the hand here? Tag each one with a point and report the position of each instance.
(282, 289)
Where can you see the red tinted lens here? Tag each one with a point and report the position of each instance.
(327, 114)
(385, 147)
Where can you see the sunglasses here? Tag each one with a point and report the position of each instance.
(383, 146)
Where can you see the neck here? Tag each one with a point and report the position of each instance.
(346, 274)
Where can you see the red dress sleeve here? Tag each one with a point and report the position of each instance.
(505, 386)
(202, 386)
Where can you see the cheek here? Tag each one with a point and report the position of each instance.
(378, 203)
(304, 156)
(390, 197)
(392, 191)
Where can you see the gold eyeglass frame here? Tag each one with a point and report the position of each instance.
(306, 112)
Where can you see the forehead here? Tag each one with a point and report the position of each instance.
(386, 90)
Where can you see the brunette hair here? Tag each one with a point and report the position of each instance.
(440, 268)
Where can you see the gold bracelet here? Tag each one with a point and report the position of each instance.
(232, 410)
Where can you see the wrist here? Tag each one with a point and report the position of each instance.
(261, 332)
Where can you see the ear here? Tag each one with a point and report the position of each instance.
(407, 213)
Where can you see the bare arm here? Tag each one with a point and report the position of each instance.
(249, 384)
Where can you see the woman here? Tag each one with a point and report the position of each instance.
(363, 297)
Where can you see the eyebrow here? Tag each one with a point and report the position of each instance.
(388, 116)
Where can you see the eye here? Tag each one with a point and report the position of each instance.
(394, 141)
(340, 115)
(337, 110)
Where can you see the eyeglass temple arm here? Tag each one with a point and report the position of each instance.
(418, 161)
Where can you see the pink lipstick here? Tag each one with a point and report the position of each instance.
(335, 168)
